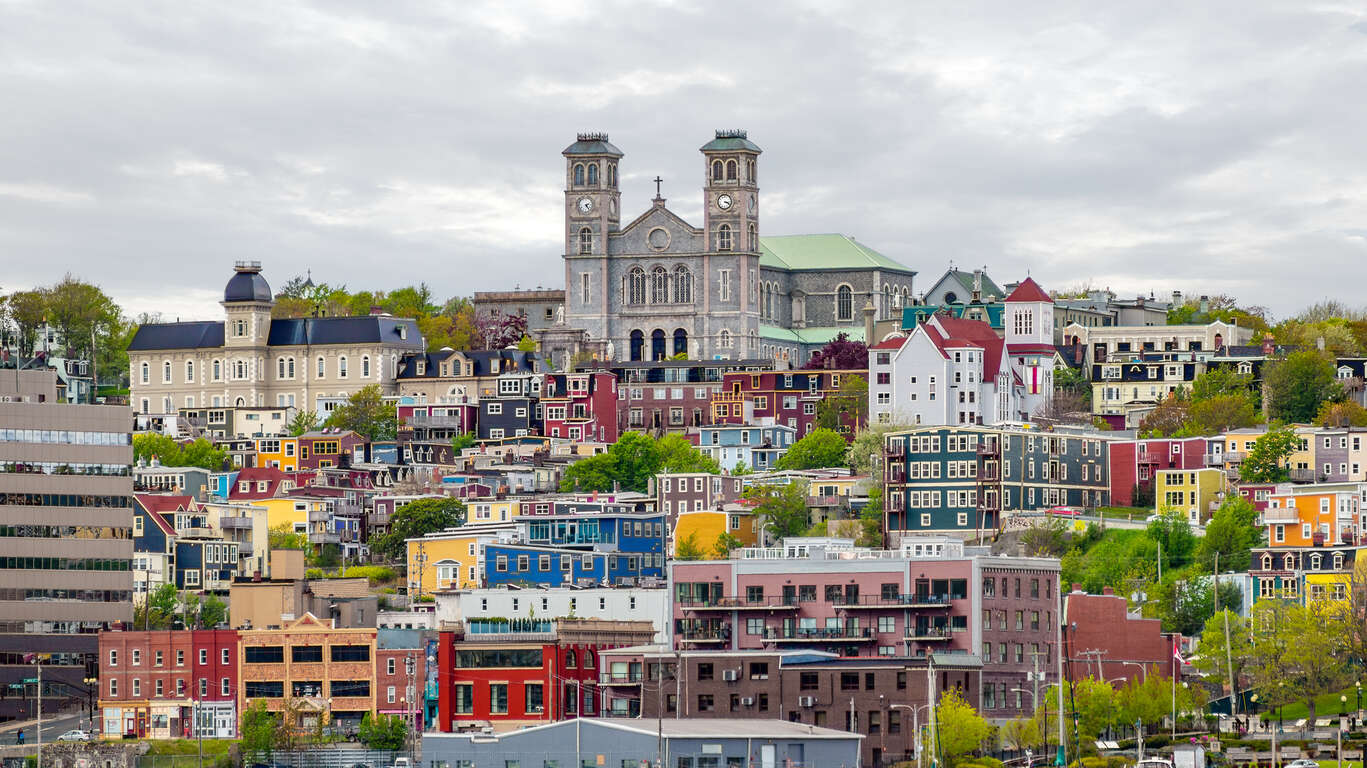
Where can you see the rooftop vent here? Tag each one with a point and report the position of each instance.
(593, 136)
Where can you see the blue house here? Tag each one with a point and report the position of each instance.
(601, 541)
(221, 484)
(205, 564)
(756, 446)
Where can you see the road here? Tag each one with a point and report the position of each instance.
(52, 728)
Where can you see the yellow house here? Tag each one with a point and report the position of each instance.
(1335, 587)
(493, 511)
(290, 512)
(707, 525)
(247, 525)
(1194, 492)
(450, 559)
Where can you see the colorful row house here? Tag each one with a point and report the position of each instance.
(152, 684)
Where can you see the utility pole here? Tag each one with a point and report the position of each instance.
(1034, 699)
(1229, 656)
(39, 729)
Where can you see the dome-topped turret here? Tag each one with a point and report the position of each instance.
(247, 284)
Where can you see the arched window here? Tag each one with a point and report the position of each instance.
(322, 367)
(593, 174)
(716, 170)
(750, 164)
(189, 371)
(659, 286)
(612, 175)
(239, 369)
(578, 175)
(218, 370)
(166, 372)
(724, 339)
(586, 240)
(657, 344)
(145, 369)
(365, 366)
(570, 660)
(636, 286)
(680, 341)
(753, 244)
(730, 170)
(289, 368)
(683, 285)
(341, 367)
(724, 237)
(588, 659)
(280, 368)
(844, 303)
(638, 344)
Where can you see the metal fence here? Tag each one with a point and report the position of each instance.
(323, 757)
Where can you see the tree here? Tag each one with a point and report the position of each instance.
(1168, 418)
(382, 731)
(679, 455)
(688, 548)
(1266, 461)
(1342, 414)
(204, 454)
(410, 301)
(1171, 531)
(819, 448)
(416, 519)
(1297, 385)
(1074, 382)
(847, 405)
(1046, 538)
(526, 344)
(783, 508)
(1183, 601)
(301, 422)
(1146, 699)
(1297, 651)
(283, 537)
(840, 354)
(959, 728)
(1231, 533)
(462, 441)
(726, 544)
(1214, 658)
(150, 445)
(203, 612)
(1219, 414)
(159, 610)
(741, 468)
(1218, 382)
(27, 310)
(367, 414)
(260, 729)
(499, 330)
(865, 451)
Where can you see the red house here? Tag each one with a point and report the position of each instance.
(1134, 462)
(151, 683)
(580, 406)
(511, 674)
(788, 397)
(392, 681)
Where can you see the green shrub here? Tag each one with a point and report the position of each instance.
(313, 573)
(375, 573)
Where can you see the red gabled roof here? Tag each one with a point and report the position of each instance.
(158, 503)
(963, 331)
(252, 475)
(895, 342)
(1031, 349)
(1029, 290)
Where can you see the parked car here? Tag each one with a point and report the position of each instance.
(1069, 511)
(1303, 763)
(75, 735)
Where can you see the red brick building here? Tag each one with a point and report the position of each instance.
(392, 681)
(788, 397)
(151, 682)
(507, 675)
(1102, 641)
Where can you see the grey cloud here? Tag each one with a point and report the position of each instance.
(1204, 146)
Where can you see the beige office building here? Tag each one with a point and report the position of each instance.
(66, 529)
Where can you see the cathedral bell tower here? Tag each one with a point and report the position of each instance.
(592, 199)
(731, 193)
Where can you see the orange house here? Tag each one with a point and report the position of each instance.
(1314, 515)
(311, 450)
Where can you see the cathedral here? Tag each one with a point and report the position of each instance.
(659, 287)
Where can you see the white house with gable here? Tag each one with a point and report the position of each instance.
(951, 370)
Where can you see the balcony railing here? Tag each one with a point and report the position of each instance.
(817, 634)
(1279, 515)
(988, 504)
(894, 601)
(989, 448)
(1234, 457)
(718, 635)
(928, 633)
(1146, 457)
(1301, 475)
(243, 523)
(436, 420)
(620, 678)
(740, 604)
(1213, 459)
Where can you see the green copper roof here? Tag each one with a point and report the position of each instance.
(592, 144)
(810, 335)
(730, 141)
(798, 252)
(965, 280)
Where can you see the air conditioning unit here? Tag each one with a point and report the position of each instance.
(730, 675)
(806, 701)
(748, 701)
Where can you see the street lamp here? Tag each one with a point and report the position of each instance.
(90, 682)
(1357, 715)
(915, 727)
(1343, 705)
(1143, 670)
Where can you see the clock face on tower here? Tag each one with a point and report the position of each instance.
(585, 205)
(724, 202)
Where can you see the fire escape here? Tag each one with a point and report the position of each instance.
(989, 485)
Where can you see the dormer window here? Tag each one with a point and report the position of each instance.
(1267, 562)
(403, 331)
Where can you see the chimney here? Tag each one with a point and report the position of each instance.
(869, 312)
(1077, 587)
(977, 286)
(1269, 345)
(1205, 304)
(1177, 298)
(1107, 591)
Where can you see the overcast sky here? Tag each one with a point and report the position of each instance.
(1138, 146)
